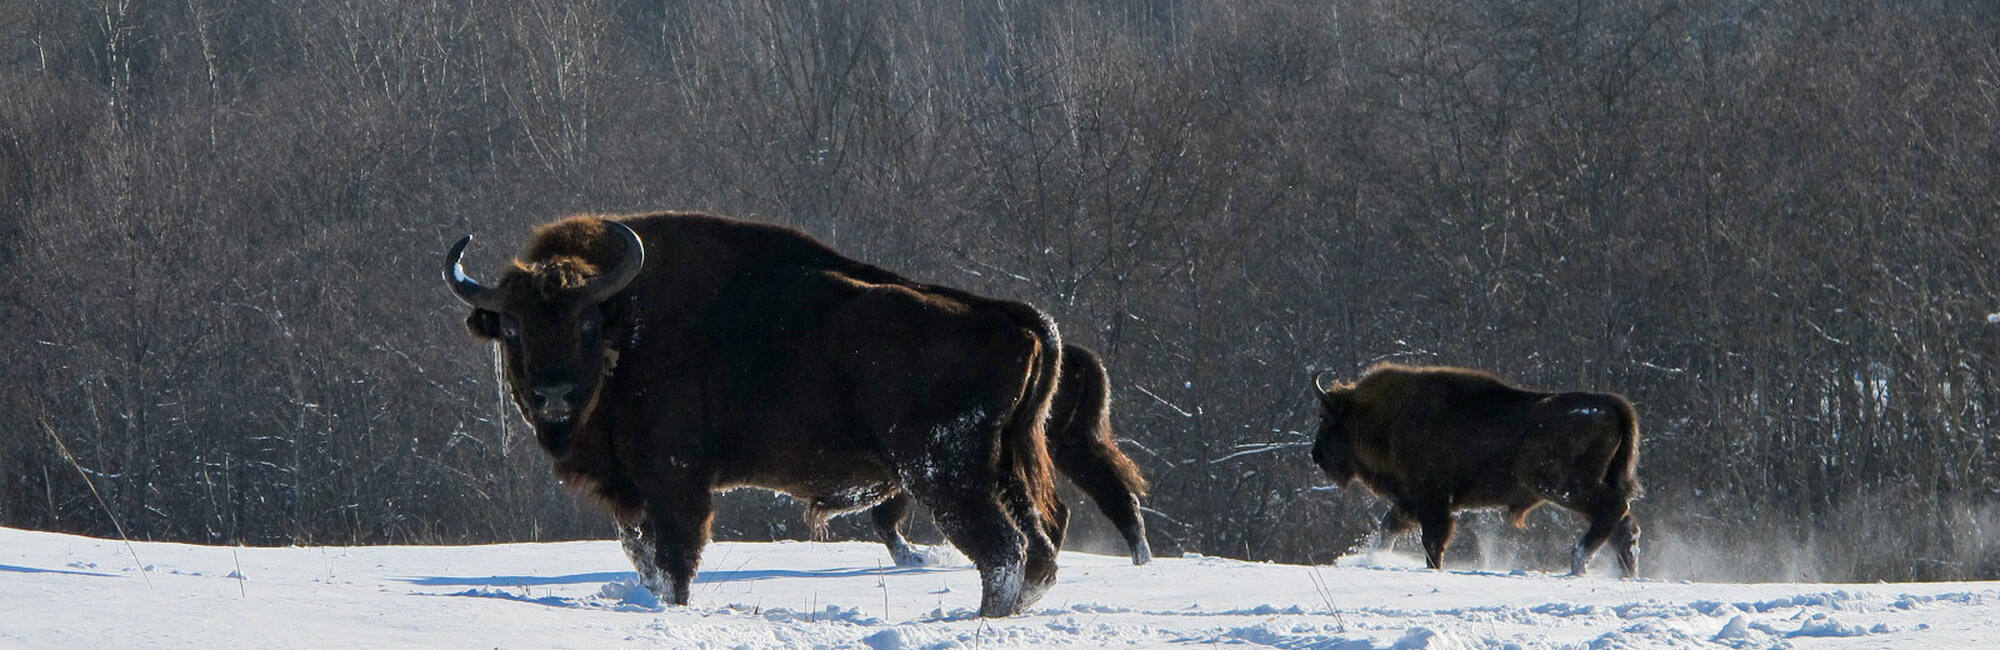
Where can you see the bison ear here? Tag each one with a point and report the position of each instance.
(483, 324)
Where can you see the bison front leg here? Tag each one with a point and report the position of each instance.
(639, 549)
(679, 522)
(1438, 528)
(1394, 524)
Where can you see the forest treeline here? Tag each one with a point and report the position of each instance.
(1771, 224)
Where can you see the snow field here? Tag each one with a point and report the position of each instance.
(68, 591)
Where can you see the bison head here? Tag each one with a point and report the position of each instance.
(554, 321)
(1331, 449)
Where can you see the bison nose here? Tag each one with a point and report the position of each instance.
(552, 401)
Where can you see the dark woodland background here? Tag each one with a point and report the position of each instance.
(1772, 225)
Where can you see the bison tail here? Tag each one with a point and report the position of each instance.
(1623, 472)
(1080, 426)
(1025, 439)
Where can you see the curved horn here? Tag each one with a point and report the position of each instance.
(1319, 381)
(602, 287)
(467, 289)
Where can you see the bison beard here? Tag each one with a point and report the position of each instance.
(1434, 441)
(663, 357)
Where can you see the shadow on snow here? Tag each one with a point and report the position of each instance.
(24, 569)
(629, 576)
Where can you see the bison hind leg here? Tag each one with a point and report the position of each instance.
(1623, 540)
(889, 517)
(996, 549)
(1121, 506)
(982, 529)
(1043, 534)
(1603, 525)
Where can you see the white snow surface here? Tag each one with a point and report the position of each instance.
(59, 591)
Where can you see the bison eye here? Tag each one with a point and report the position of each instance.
(590, 330)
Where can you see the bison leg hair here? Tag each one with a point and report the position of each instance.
(889, 516)
(1135, 537)
(1084, 449)
(639, 549)
(1438, 527)
(1099, 478)
(1623, 540)
(1043, 535)
(979, 526)
(1602, 526)
(680, 521)
(1395, 522)
(1042, 548)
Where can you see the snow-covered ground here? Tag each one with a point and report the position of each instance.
(67, 591)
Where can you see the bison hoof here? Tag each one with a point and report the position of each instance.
(1037, 584)
(667, 592)
(1578, 558)
(999, 606)
(1141, 554)
(653, 581)
(1005, 592)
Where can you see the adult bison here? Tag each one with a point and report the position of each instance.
(662, 357)
(1080, 439)
(1434, 441)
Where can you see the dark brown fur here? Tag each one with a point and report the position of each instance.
(1082, 443)
(751, 355)
(1434, 441)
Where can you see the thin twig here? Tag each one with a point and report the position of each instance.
(1260, 448)
(239, 573)
(1177, 409)
(100, 500)
(1326, 595)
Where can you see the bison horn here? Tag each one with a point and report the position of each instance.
(467, 289)
(1319, 382)
(604, 286)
